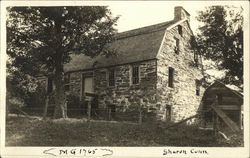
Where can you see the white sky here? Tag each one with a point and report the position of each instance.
(143, 13)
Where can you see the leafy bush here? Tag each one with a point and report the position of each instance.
(73, 101)
(14, 103)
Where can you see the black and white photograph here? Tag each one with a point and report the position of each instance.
(84, 78)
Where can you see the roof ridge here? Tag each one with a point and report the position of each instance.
(143, 30)
(234, 91)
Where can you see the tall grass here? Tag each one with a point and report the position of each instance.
(21, 131)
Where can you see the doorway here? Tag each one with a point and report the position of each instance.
(88, 85)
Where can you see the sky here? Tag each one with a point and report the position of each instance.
(143, 13)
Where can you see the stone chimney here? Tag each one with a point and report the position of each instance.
(180, 13)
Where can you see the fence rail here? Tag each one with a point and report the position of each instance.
(98, 114)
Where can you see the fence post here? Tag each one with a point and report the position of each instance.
(66, 108)
(140, 111)
(215, 117)
(46, 107)
(89, 110)
(140, 116)
(109, 112)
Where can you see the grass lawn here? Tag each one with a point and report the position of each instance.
(22, 131)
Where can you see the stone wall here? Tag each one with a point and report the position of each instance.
(75, 83)
(124, 95)
(182, 97)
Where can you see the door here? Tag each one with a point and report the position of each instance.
(88, 85)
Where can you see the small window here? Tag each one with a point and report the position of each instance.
(197, 84)
(198, 92)
(180, 30)
(171, 77)
(177, 46)
(168, 113)
(111, 77)
(135, 74)
(66, 81)
(49, 85)
(196, 59)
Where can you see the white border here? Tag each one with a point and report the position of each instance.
(126, 151)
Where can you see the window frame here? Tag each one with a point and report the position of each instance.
(137, 77)
(197, 88)
(168, 113)
(177, 46)
(171, 77)
(109, 79)
(196, 59)
(180, 30)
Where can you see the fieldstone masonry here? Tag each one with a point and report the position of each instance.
(124, 95)
(182, 97)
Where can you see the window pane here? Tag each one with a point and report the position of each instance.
(170, 77)
(180, 29)
(111, 77)
(177, 46)
(168, 112)
(197, 84)
(197, 92)
(135, 74)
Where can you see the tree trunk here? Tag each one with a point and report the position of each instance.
(60, 109)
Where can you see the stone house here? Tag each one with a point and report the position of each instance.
(154, 67)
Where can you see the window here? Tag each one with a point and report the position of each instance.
(177, 46)
(180, 29)
(168, 113)
(197, 92)
(49, 85)
(66, 82)
(135, 74)
(171, 77)
(196, 59)
(197, 84)
(111, 77)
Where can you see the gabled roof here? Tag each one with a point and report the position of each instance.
(220, 84)
(130, 46)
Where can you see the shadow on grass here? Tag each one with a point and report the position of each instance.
(21, 131)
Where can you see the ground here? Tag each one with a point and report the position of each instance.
(24, 131)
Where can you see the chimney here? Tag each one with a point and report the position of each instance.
(180, 13)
